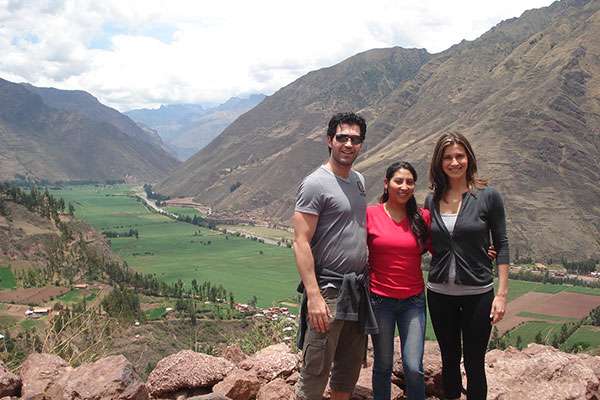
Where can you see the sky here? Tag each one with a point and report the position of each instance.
(141, 54)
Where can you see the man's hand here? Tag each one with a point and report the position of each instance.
(318, 313)
(498, 309)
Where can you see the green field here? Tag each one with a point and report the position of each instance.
(585, 334)
(29, 324)
(529, 330)
(76, 296)
(156, 313)
(7, 321)
(545, 317)
(185, 211)
(519, 288)
(7, 279)
(173, 250)
(261, 231)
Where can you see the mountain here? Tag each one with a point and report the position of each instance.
(187, 128)
(86, 104)
(526, 93)
(66, 141)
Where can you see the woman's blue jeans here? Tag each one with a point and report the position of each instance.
(409, 316)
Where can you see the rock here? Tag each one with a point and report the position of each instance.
(432, 367)
(210, 396)
(234, 354)
(541, 372)
(10, 384)
(108, 378)
(41, 376)
(49, 376)
(187, 370)
(272, 362)
(364, 387)
(277, 389)
(293, 378)
(239, 385)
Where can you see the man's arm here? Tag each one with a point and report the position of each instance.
(304, 228)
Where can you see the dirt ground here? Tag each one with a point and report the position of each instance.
(31, 295)
(562, 304)
(14, 310)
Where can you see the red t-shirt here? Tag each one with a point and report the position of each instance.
(394, 255)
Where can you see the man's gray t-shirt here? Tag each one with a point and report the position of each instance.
(340, 239)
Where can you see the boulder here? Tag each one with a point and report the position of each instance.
(432, 367)
(210, 396)
(239, 385)
(272, 362)
(48, 376)
(108, 378)
(277, 389)
(293, 378)
(187, 370)
(364, 387)
(10, 384)
(234, 354)
(541, 372)
(41, 376)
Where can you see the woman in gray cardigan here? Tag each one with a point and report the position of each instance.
(460, 289)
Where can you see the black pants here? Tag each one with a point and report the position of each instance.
(468, 317)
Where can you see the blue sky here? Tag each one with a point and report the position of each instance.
(143, 53)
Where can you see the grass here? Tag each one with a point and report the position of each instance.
(76, 296)
(156, 313)
(71, 296)
(519, 288)
(585, 334)
(184, 211)
(545, 317)
(261, 231)
(29, 324)
(529, 330)
(7, 321)
(7, 279)
(170, 250)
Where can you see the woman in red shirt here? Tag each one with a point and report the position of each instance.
(397, 234)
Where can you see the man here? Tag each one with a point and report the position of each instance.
(330, 247)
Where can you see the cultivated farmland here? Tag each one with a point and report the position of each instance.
(175, 250)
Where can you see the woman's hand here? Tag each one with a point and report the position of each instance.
(492, 252)
(498, 309)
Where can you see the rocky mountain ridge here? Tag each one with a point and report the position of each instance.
(73, 138)
(187, 128)
(525, 93)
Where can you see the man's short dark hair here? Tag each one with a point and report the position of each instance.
(347, 119)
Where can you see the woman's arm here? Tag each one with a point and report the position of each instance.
(499, 303)
(497, 218)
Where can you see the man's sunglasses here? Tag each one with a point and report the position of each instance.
(343, 138)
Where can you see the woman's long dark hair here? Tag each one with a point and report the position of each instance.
(417, 223)
(438, 182)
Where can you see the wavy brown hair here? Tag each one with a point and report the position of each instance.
(438, 182)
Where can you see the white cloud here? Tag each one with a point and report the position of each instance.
(145, 53)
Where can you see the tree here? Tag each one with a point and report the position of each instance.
(71, 208)
(519, 343)
(538, 338)
(595, 316)
(495, 339)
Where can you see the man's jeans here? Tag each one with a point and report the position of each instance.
(409, 316)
